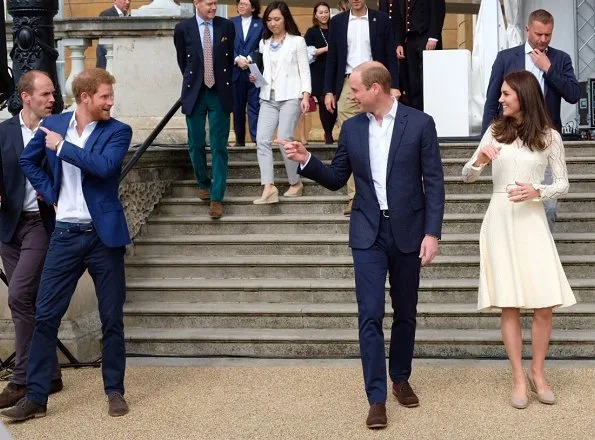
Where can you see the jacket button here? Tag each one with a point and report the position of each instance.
(225, 70)
(227, 83)
(188, 55)
(191, 72)
(188, 85)
(226, 54)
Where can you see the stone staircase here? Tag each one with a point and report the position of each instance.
(277, 280)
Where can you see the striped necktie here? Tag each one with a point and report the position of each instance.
(207, 50)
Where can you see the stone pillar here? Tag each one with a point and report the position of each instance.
(77, 48)
(33, 37)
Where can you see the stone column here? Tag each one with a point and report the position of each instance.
(33, 37)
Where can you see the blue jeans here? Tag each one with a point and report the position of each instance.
(73, 249)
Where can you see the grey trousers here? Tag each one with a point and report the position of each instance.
(23, 260)
(283, 116)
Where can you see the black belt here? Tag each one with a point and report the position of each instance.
(75, 227)
(30, 215)
(384, 213)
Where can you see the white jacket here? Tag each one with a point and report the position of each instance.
(293, 76)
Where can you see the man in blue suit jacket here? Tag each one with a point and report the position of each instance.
(85, 150)
(248, 29)
(552, 68)
(356, 36)
(395, 226)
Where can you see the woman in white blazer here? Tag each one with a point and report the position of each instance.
(286, 94)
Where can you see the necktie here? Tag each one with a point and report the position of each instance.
(207, 50)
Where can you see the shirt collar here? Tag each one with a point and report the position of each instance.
(73, 124)
(245, 19)
(119, 11)
(200, 21)
(391, 113)
(22, 121)
(353, 17)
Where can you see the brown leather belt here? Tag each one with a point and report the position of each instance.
(30, 215)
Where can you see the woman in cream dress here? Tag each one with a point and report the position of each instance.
(519, 263)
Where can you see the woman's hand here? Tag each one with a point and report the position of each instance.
(321, 50)
(305, 104)
(522, 192)
(252, 78)
(487, 154)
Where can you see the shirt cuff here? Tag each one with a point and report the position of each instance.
(479, 168)
(59, 148)
(433, 39)
(307, 161)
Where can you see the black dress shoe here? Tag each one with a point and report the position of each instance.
(376, 416)
(24, 409)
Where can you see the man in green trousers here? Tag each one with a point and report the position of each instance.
(204, 46)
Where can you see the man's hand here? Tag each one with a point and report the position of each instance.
(429, 249)
(431, 44)
(541, 60)
(39, 197)
(396, 93)
(400, 52)
(52, 139)
(252, 78)
(242, 63)
(295, 150)
(329, 102)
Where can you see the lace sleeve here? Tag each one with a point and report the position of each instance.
(557, 163)
(470, 172)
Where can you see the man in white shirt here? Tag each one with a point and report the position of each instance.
(25, 226)
(120, 8)
(84, 150)
(392, 151)
(356, 36)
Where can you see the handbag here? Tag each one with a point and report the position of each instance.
(311, 105)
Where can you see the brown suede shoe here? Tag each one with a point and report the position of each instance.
(405, 395)
(24, 409)
(204, 194)
(376, 416)
(216, 210)
(11, 394)
(347, 209)
(117, 405)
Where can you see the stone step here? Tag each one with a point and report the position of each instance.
(243, 205)
(453, 185)
(313, 266)
(242, 169)
(339, 343)
(324, 224)
(316, 244)
(311, 290)
(327, 316)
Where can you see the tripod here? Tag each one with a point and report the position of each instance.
(73, 362)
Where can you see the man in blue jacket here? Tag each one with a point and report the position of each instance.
(84, 150)
(552, 68)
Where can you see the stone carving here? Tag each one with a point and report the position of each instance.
(139, 200)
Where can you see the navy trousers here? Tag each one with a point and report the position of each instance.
(73, 249)
(244, 93)
(371, 266)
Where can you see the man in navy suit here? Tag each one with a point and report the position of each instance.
(84, 149)
(25, 226)
(356, 36)
(392, 151)
(248, 28)
(204, 48)
(552, 68)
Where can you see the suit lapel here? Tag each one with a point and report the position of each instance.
(373, 24)
(62, 129)
(240, 30)
(195, 36)
(18, 135)
(364, 134)
(395, 143)
(217, 35)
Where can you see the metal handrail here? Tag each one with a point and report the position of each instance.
(147, 143)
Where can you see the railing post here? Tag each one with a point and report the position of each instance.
(77, 48)
(108, 44)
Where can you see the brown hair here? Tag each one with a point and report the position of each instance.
(374, 72)
(540, 15)
(534, 121)
(89, 80)
(315, 21)
(27, 81)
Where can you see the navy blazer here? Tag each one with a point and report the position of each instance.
(560, 82)
(191, 62)
(382, 40)
(100, 163)
(414, 180)
(13, 182)
(246, 46)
